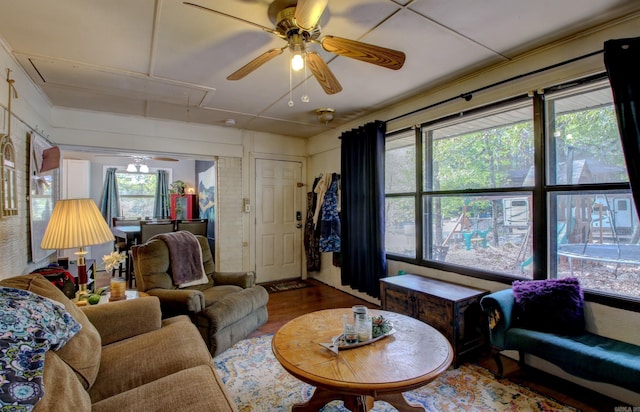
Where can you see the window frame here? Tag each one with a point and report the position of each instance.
(541, 192)
(122, 169)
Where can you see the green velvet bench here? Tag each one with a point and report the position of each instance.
(581, 354)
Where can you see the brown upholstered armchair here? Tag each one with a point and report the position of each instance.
(226, 309)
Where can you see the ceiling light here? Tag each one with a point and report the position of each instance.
(297, 47)
(297, 62)
(131, 168)
(144, 168)
(325, 115)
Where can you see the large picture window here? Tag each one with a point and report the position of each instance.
(501, 194)
(475, 206)
(597, 231)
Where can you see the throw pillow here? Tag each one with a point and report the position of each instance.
(82, 353)
(31, 326)
(552, 305)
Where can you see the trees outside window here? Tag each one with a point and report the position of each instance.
(137, 192)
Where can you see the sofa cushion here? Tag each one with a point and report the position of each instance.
(196, 389)
(551, 305)
(82, 352)
(133, 362)
(225, 309)
(63, 390)
(586, 355)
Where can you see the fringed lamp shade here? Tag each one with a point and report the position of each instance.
(76, 223)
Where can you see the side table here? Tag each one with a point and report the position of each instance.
(130, 294)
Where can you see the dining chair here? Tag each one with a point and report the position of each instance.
(195, 226)
(150, 228)
(121, 244)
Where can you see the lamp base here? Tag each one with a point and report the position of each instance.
(82, 290)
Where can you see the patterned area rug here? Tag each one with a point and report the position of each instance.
(257, 383)
(281, 286)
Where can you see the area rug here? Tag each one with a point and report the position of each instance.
(257, 383)
(284, 285)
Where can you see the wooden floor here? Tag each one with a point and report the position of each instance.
(287, 305)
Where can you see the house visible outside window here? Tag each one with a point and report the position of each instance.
(470, 193)
(137, 192)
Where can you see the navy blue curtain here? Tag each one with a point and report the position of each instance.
(110, 202)
(622, 60)
(161, 199)
(362, 208)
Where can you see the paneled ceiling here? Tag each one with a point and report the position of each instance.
(167, 60)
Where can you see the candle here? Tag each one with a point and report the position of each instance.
(118, 286)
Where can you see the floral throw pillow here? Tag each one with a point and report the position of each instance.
(30, 325)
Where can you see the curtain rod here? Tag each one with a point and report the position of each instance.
(27, 125)
(469, 95)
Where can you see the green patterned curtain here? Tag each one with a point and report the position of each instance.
(161, 200)
(110, 202)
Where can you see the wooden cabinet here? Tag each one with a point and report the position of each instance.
(452, 309)
(184, 206)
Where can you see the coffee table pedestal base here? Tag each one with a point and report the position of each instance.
(354, 403)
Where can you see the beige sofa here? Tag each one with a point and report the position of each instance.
(226, 309)
(126, 358)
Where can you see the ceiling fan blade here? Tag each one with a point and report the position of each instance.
(308, 13)
(381, 56)
(323, 74)
(267, 29)
(164, 159)
(255, 63)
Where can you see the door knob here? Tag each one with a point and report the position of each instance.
(299, 225)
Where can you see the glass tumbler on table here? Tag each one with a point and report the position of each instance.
(349, 330)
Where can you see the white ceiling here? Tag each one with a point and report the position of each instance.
(163, 59)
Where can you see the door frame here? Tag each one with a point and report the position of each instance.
(253, 157)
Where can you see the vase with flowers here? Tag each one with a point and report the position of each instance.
(113, 260)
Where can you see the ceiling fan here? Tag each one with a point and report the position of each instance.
(138, 163)
(140, 158)
(297, 23)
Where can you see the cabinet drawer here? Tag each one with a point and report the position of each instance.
(437, 313)
(397, 301)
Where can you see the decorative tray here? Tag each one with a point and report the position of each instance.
(338, 343)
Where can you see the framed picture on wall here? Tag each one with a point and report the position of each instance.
(43, 189)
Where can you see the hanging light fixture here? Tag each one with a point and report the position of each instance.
(325, 115)
(297, 49)
(138, 165)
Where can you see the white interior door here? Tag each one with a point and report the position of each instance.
(278, 220)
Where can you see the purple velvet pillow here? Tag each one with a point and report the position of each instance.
(553, 305)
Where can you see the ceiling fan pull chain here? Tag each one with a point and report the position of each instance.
(290, 86)
(305, 96)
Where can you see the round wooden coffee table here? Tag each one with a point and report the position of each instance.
(411, 357)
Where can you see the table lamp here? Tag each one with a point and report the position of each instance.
(76, 223)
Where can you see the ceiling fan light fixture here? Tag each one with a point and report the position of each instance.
(144, 168)
(297, 47)
(325, 115)
(131, 168)
(297, 62)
